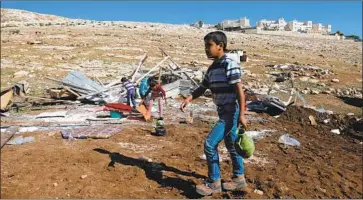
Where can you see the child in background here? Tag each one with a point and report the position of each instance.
(130, 88)
(144, 86)
(157, 93)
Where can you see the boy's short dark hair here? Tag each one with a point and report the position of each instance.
(152, 82)
(123, 79)
(217, 37)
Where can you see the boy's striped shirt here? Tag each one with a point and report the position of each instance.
(220, 78)
(129, 86)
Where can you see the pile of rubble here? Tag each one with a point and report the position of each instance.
(77, 87)
(303, 71)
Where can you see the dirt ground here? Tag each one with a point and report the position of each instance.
(324, 166)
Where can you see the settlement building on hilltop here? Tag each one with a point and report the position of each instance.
(278, 25)
(297, 26)
(323, 29)
(294, 26)
(232, 25)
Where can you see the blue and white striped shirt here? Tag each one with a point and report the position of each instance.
(220, 78)
(129, 86)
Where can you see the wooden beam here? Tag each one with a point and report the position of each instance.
(133, 75)
(178, 67)
(99, 80)
(159, 79)
(71, 91)
(154, 68)
(40, 98)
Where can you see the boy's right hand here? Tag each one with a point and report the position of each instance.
(186, 102)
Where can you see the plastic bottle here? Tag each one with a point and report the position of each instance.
(285, 139)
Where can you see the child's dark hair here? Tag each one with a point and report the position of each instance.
(152, 82)
(217, 37)
(123, 79)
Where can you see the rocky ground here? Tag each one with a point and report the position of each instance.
(327, 73)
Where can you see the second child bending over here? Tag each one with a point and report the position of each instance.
(157, 93)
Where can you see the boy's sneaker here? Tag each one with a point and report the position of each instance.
(237, 183)
(209, 188)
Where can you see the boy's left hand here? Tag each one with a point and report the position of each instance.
(243, 121)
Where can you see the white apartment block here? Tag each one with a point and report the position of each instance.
(323, 29)
(297, 26)
(278, 25)
(239, 23)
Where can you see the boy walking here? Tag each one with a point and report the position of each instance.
(130, 88)
(223, 78)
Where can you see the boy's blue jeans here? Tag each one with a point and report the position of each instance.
(224, 129)
(131, 97)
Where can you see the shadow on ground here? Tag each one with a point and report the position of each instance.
(357, 102)
(154, 171)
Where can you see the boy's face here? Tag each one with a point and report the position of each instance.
(212, 50)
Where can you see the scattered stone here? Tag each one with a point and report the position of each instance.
(322, 190)
(335, 131)
(55, 184)
(335, 80)
(312, 120)
(321, 84)
(330, 112)
(84, 176)
(20, 74)
(34, 42)
(315, 91)
(350, 114)
(305, 91)
(259, 192)
(252, 75)
(326, 121)
(326, 92)
(304, 79)
(313, 80)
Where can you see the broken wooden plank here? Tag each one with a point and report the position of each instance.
(159, 79)
(99, 81)
(172, 71)
(178, 67)
(71, 91)
(52, 100)
(113, 83)
(133, 75)
(7, 99)
(154, 68)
